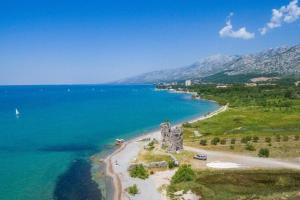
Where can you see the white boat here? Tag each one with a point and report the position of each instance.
(119, 141)
(17, 112)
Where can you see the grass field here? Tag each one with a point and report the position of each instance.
(263, 111)
(243, 184)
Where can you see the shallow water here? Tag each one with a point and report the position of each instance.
(61, 124)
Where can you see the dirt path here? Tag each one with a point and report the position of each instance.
(244, 161)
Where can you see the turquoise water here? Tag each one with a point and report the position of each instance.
(58, 124)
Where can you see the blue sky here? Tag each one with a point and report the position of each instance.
(57, 42)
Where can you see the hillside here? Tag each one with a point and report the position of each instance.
(280, 61)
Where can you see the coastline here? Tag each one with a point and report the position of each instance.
(117, 163)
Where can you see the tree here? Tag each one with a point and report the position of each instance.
(250, 147)
(223, 141)
(264, 152)
(268, 139)
(139, 171)
(255, 139)
(233, 141)
(215, 140)
(246, 139)
(203, 142)
(183, 174)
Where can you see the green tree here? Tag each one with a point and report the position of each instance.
(215, 140)
(203, 142)
(264, 152)
(183, 174)
(138, 171)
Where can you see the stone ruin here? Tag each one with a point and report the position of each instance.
(172, 138)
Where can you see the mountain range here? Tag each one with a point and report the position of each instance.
(279, 61)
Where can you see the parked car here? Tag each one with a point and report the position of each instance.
(200, 157)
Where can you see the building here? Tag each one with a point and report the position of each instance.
(172, 138)
(188, 82)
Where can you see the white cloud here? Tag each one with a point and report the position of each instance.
(286, 14)
(242, 33)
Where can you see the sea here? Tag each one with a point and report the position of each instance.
(49, 132)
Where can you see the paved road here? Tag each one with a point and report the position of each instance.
(244, 160)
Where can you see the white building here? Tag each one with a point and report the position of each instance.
(188, 82)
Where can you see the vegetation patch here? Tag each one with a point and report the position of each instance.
(240, 184)
(139, 171)
(132, 190)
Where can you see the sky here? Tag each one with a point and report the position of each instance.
(86, 41)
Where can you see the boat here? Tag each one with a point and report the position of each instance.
(17, 112)
(119, 141)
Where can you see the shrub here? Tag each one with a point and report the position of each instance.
(255, 139)
(270, 144)
(250, 147)
(296, 137)
(151, 146)
(231, 147)
(246, 139)
(278, 138)
(223, 141)
(171, 164)
(133, 190)
(139, 171)
(264, 152)
(233, 141)
(151, 172)
(203, 142)
(187, 125)
(268, 139)
(183, 174)
(215, 141)
(285, 138)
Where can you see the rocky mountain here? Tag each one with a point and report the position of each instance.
(281, 61)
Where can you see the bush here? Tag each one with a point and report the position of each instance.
(151, 146)
(139, 171)
(246, 139)
(255, 139)
(296, 137)
(264, 152)
(215, 141)
(231, 147)
(285, 138)
(171, 164)
(268, 140)
(223, 141)
(183, 174)
(233, 141)
(278, 138)
(187, 125)
(250, 147)
(203, 142)
(133, 190)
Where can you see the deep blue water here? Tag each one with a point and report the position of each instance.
(60, 124)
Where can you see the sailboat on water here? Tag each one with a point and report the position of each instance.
(17, 112)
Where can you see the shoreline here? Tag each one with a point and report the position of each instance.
(116, 175)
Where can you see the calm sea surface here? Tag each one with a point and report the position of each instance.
(58, 125)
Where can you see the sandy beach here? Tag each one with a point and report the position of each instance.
(118, 162)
